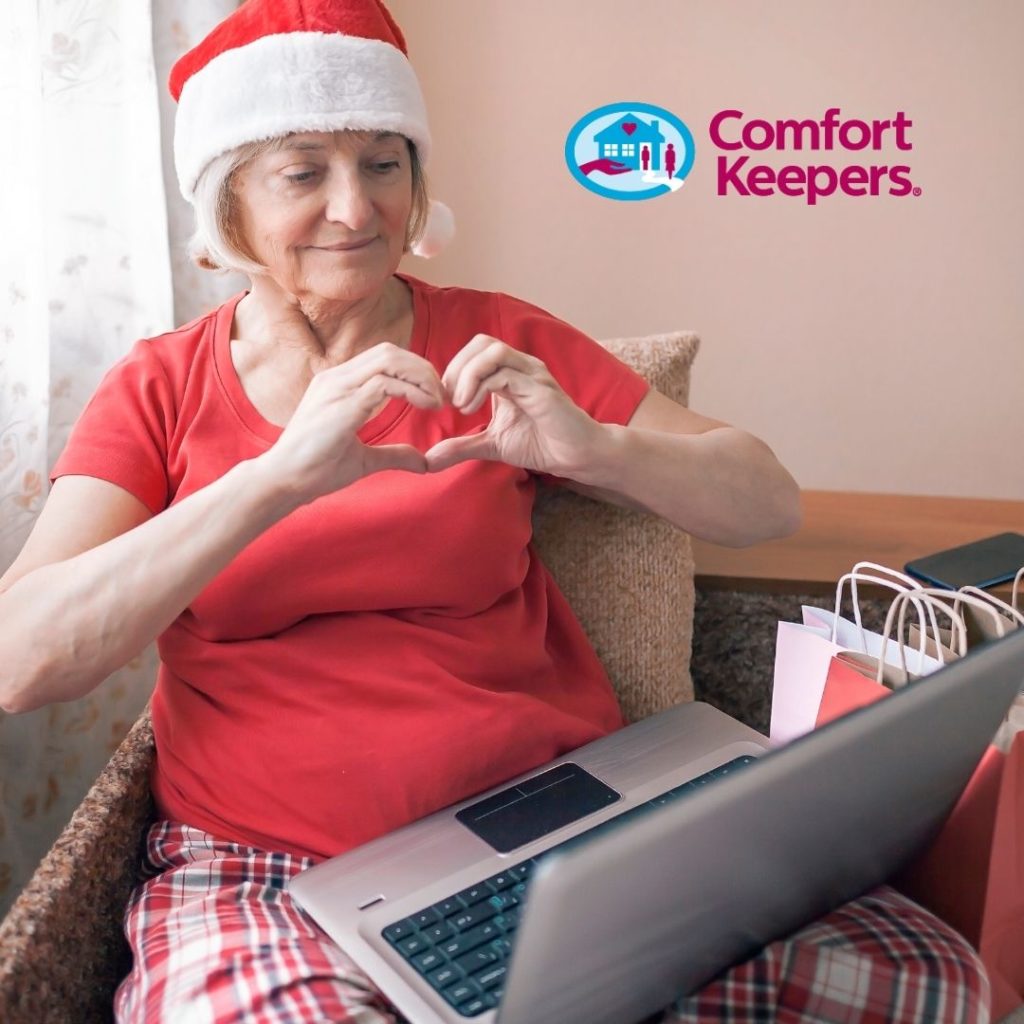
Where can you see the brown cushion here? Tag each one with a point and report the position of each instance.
(629, 575)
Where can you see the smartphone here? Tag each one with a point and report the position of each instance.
(982, 563)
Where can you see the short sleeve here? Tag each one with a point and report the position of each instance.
(122, 434)
(597, 381)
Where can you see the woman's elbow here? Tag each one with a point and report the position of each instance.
(779, 513)
(787, 514)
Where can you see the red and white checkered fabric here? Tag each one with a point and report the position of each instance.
(880, 959)
(217, 939)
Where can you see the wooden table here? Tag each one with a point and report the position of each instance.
(844, 527)
(742, 593)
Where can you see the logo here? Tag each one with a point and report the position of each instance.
(630, 151)
(738, 173)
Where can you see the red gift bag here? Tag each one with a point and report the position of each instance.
(846, 689)
(972, 875)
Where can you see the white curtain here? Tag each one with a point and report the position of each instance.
(91, 259)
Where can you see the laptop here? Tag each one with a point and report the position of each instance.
(598, 888)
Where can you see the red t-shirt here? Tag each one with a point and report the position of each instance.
(382, 651)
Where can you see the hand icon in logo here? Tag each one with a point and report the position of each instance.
(606, 165)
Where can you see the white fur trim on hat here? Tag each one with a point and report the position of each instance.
(295, 82)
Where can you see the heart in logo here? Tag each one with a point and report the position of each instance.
(629, 127)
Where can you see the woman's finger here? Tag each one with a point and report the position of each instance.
(453, 371)
(370, 393)
(521, 387)
(485, 363)
(385, 358)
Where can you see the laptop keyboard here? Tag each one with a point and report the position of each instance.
(461, 945)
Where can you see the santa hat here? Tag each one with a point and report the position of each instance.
(279, 66)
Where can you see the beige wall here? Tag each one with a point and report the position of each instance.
(875, 343)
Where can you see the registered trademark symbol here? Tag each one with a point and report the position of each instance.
(917, 191)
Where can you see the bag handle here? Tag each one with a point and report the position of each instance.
(1008, 610)
(936, 598)
(936, 601)
(901, 583)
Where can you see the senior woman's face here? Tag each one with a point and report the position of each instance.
(299, 206)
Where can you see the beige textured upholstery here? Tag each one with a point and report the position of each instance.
(628, 576)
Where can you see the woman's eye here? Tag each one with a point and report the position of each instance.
(384, 168)
(298, 179)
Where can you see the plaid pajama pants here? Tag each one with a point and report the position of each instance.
(217, 940)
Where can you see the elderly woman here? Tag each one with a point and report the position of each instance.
(317, 499)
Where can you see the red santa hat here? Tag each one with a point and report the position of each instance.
(279, 66)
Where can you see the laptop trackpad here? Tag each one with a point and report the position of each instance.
(533, 808)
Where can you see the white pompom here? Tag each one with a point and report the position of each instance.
(438, 231)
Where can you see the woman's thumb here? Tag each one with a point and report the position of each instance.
(394, 456)
(458, 449)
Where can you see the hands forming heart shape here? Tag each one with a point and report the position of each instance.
(534, 424)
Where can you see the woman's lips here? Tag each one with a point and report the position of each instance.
(348, 247)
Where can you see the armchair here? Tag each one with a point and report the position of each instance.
(628, 576)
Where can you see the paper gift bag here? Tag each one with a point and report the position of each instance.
(847, 688)
(972, 875)
(804, 652)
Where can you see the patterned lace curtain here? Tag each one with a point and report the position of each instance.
(91, 259)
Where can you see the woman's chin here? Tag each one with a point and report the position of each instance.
(346, 282)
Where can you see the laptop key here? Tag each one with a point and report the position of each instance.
(428, 961)
(437, 932)
(399, 930)
(473, 894)
(502, 901)
(503, 881)
(456, 994)
(508, 921)
(476, 1006)
(471, 962)
(492, 977)
(445, 908)
(472, 917)
(521, 871)
(444, 976)
(411, 945)
(425, 918)
(469, 940)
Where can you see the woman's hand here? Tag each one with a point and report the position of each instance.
(534, 424)
(319, 451)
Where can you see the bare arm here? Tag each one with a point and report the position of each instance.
(66, 625)
(100, 578)
(713, 480)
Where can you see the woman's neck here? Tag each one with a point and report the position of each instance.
(326, 332)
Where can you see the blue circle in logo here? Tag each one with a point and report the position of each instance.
(618, 154)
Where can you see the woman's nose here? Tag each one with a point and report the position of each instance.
(349, 201)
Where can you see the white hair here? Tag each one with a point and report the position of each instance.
(216, 242)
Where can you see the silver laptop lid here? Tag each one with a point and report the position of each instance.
(618, 927)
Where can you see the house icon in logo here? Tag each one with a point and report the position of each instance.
(625, 139)
(630, 150)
